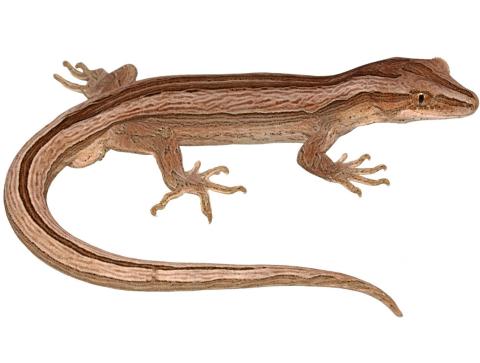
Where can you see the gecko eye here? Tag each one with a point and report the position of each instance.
(421, 99)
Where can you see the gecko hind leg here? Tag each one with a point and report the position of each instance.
(198, 183)
(164, 146)
(150, 137)
(99, 81)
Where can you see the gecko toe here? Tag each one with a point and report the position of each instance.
(198, 183)
(347, 172)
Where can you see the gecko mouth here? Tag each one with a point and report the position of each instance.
(453, 107)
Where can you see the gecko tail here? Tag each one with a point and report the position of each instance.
(27, 210)
(206, 276)
(78, 259)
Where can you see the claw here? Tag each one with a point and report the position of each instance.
(196, 168)
(84, 76)
(373, 170)
(86, 71)
(197, 183)
(359, 161)
(225, 190)
(97, 82)
(75, 72)
(205, 204)
(346, 172)
(166, 198)
(215, 171)
(342, 158)
(70, 85)
(351, 187)
(368, 181)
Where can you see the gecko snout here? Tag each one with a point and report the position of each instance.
(474, 102)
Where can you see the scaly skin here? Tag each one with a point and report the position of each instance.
(156, 116)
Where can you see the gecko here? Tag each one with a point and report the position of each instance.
(156, 116)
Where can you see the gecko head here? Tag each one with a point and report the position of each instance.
(428, 92)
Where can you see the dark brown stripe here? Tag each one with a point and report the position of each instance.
(422, 70)
(26, 162)
(151, 87)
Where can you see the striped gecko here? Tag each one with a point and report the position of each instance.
(156, 116)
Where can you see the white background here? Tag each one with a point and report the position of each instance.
(417, 239)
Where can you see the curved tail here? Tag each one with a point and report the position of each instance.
(25, 202)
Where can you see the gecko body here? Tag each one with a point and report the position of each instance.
(158, 115)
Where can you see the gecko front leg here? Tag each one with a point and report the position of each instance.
(167, 152)
(313, 158)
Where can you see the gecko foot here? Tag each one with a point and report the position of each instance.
(98, 81)
(197, 183)
(345, 172)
